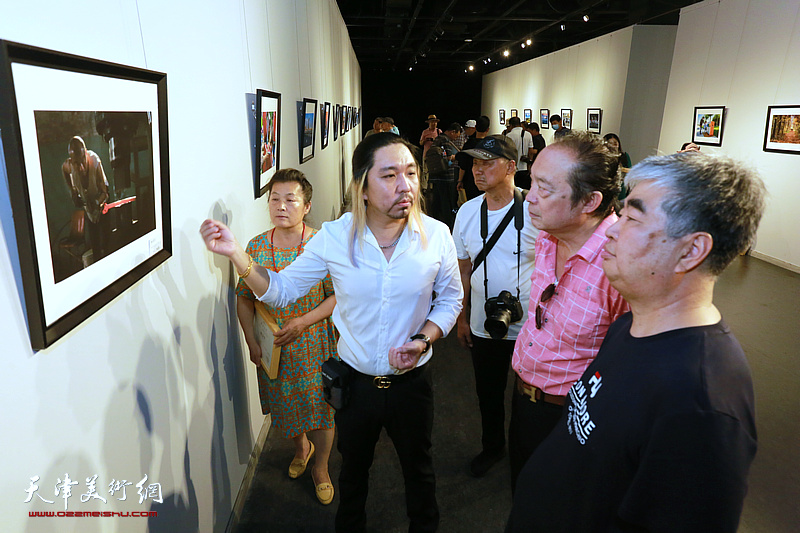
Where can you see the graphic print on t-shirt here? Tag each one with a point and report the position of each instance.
(579, 422)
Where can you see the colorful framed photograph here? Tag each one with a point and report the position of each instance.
(514, 113)
(782, 133)
(594, 116)
(527, 114)
(268, 132)
(308, 129)
(707, 129)
(343, 121)
(544, 119)
(566, 118)
(325, 122)
(86, 152)
(502, 116)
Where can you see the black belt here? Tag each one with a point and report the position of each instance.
(384, 382)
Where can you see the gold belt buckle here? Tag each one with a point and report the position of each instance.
(382, 382)
(532, 394)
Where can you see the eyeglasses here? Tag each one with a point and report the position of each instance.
(547, 293)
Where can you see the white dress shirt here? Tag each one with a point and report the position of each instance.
(380, 304)
(524, 142)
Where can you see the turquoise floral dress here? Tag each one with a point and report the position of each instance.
(295, 397)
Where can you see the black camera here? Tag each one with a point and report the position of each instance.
(501, 310)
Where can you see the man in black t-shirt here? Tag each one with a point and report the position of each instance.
(659, 433)
(466, 180)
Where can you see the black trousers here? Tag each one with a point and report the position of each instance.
(522, 179)
(531, 423)
(405, 409)
(444, 201)
(490, 360)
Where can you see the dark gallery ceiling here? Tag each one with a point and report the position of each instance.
(452, 35)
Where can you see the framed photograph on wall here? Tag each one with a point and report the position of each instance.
(544, 119)
(782, 133)
(325, 121)
(86, 152)
(528, 114)
(594, 116)
(337, 111)
(502, 116)
(308, 129)
(268, 132)
(566, 118)
(343, 121)
(707, 128)
(514, 113)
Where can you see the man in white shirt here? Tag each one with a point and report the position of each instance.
(386, 259)
(525, 152)
(506, 267)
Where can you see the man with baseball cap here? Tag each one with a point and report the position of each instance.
(495, 243)
(466, 133)
(466, 180)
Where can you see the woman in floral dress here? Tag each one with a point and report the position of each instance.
(306, 337)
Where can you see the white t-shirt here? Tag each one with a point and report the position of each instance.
(501, 263)
(524, 141)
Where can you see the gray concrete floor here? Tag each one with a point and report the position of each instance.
(760, 302)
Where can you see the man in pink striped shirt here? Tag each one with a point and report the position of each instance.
(572, 304)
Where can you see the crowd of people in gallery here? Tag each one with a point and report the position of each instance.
(592, 280)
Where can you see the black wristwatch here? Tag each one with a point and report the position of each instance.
(424, 338)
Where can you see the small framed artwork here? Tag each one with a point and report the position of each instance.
(337, 112)
(544, 119)
(594, 115)
(782, 132)
(86, 153)
(343, 121)
(307, 128)
(502, 116)
(514, 113)
(708, 126)
(268, 131)
(325, 121)
(349, 118)
(528, 114)
(566, 118)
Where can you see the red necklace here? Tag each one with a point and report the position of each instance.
(272, 246)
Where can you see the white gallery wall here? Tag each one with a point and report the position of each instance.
(744, 55)
(156, 382)
(624, 73)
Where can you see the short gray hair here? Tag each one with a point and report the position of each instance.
(712, 194)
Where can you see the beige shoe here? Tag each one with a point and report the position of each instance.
(325, 493)
(298, 466)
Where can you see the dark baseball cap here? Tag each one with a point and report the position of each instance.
(492, 147)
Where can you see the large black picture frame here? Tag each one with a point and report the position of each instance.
(268, 138)
(61, 115)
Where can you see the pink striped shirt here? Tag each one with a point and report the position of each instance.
(575, 319)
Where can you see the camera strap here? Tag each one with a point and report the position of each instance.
(519, 222)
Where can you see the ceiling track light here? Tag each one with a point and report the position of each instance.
(563, 27)
(505, 53)
(522, 45)
(528, 42)
(586, 18)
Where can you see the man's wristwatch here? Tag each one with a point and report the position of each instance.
(424, 338)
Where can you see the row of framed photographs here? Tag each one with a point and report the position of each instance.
(781, 132)
(594, 117)
(268, 121)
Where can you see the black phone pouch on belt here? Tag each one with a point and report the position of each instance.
(336, 377)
